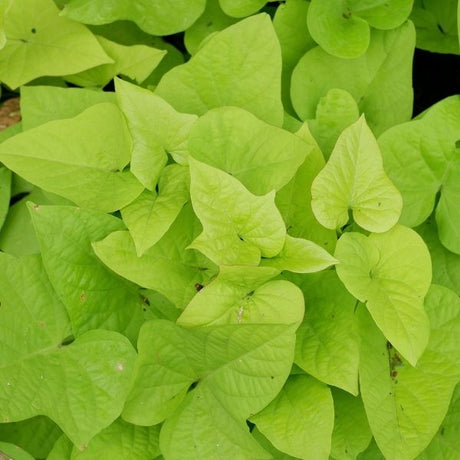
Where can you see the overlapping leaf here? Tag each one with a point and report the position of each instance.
(380, 81)
(36, 435)
(156, 128)
(351, 433)
(294, 199)
(212, 20)
(446, 264)
(161, 17)
(40, 42)
(136, 62)
(343, 28)
(335, 111)
(437, 26)
(242, 295)
(239, 369)
(295, 40)
(261, 156)
(150, 215)
(354, 179)
(94, 297)
(238, 227)
(40, 374)
(122, 440)
(391, 273)
(250, 48)
(167, 267)
(40, 104)
(300, 419)
(87, 169)
(327, 345)
(422, 158)
(405, 405)
(241, 8)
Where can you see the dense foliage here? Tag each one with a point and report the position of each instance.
(222, 234)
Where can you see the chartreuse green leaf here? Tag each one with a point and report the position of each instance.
(380, 80)
(446, 443)
(238, 227)
(156, 129)
(391, 273)
(17, 236)
(160, 385)
(261, 156)
(150, 215)
(294, 199)
(5, 193)
(62, 449)
(300, 256)
(241, 8)
(122, 440)
(10, 451)
(136, 62)
(436, 25)
(354, 179)
(405, 405)
(202, 428)
(337, 30)
(3, 6)
(40, 104)
(238, 370)
(342, 28)
(167, 267)
(295, 40)
(40, 42)
(94, 297)
(426, 150)
(86, 169)
(212, 20)
(371, 453)
(446, 264)
(250, 48)
(300, 419)
(157, 18)
(242, 295)
(351, 433)
(335, 111)
(36, 435)
(327, 345)
(269, 447)
(40, 374)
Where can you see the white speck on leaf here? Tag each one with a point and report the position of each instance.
(120, 367)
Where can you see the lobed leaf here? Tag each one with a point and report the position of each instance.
(151, 214)
(94, 297)
(354, 179)
(242, 295)
(167, 267)
(422, 158)
(327, 345)
(238, 227)
(390, 272)
(380, 80)
(300, 419)
(85, 169)
(250, 48)
(261, 156)
(405, 405)
(40, 42)
(156, 128)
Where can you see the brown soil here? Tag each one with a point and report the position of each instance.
(9, 113)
